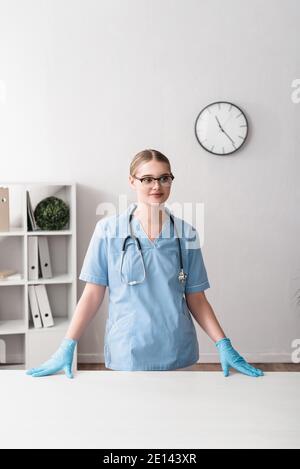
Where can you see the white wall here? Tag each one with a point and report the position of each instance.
(87, 84)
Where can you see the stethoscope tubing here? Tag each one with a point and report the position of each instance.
(181, 276)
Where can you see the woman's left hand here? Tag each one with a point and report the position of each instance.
(230, 357)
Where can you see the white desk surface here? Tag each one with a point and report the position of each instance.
(152, 409)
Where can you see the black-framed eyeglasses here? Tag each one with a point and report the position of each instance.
(165, 180)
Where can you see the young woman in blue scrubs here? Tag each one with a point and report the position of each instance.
(152, 263)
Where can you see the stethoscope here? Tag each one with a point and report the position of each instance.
(181, 276)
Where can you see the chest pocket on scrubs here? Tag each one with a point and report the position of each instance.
(132, 267)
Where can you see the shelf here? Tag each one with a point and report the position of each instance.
(57, 279)
(59, 323)
(49, 233)
(13, 232)
(5, 283)
(21, 232)
(18, 326)
(65, 278)
(13, 326)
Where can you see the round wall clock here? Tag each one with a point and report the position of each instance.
(221, 128)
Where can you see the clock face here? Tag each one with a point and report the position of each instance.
(221, 128)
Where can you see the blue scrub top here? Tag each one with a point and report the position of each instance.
(149, 326)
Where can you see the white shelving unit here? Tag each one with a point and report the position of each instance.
(21, 345)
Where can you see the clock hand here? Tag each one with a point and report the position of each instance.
(229, 138)
(219, 124)
(224, 131)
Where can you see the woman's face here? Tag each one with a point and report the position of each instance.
(151, 194)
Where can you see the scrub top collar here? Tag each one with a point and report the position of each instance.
(138, 226)
(134, 204)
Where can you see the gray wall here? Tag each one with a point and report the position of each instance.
(87, 84)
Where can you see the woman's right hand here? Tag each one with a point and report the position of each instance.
(61, 360)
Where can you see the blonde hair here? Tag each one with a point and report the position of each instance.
(147, 155)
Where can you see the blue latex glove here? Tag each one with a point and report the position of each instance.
(230, 357)
(60, 360)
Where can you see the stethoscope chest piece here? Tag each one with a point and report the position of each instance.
(182, 276)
